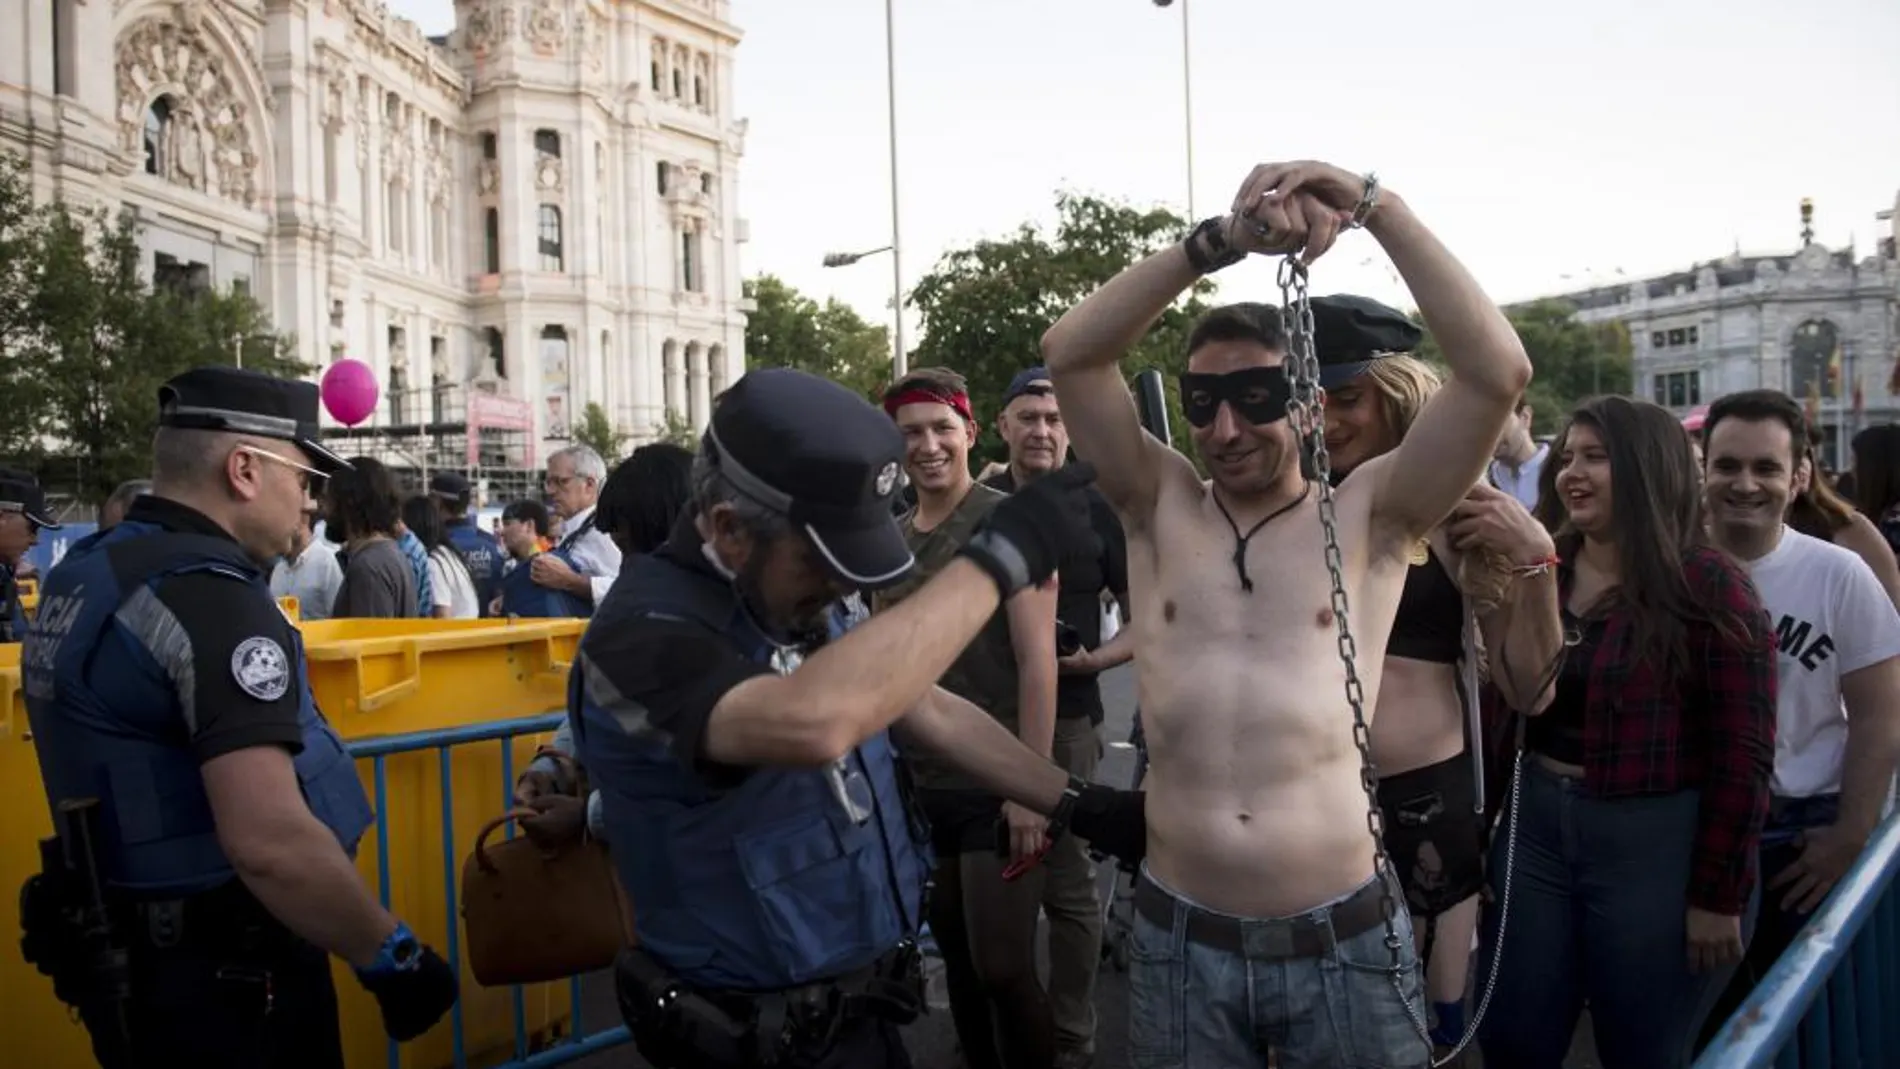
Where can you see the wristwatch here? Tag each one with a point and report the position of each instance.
(1065, 807)
(401, 952)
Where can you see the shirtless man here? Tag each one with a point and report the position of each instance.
(1258, 846)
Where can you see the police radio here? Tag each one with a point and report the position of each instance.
(1151, 404)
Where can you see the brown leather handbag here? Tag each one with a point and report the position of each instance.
(532, 914)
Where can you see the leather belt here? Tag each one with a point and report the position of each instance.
(1309, 935)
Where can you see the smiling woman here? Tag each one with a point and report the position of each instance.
(1652, 613)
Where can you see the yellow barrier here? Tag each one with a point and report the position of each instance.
(27, 592)
(371, 678)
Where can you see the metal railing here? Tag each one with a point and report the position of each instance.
(1833, 1000)
(444, 741)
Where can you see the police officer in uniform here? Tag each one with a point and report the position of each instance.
(23, 515)
(479, 549)
(739, 736)
(207, 812)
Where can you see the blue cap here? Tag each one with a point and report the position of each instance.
(814, 451)
(1025, 381)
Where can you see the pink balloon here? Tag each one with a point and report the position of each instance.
(349, 391)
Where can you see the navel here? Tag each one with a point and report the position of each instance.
(1246, 818)
(1167, 611)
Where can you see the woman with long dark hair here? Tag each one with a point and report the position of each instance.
(360, 513)
(1877, 479)
(1645, 781)
(451, 586)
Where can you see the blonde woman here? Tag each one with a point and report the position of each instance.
(1466, 570)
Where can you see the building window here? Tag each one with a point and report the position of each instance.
(552, 258)
(497, 359)
(392, 110)
(393, 221)
(181, 277)
(679, 83)
(1677, 389)
(699, 90)
(241, 286)
(491, 146)
(692, 271)
(659, 65)
(706, 184)
(1656, 340)
(158, 122)
(491, 241)
(662, 176)
(547, 143)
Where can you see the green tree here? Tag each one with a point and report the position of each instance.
(1570, 360)
(677, 430)
(89, 341)
(985, 307)
(598, 433)
(788, 329)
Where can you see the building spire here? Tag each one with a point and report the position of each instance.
(1807, 221)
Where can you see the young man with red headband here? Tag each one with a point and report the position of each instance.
(985, 924)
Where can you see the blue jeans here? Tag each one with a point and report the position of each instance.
(1597, 913)
(1341, 1008)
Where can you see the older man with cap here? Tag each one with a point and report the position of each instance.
(205, 809)
(478, 549)
(1031, 425)
(1485, 571)
(23, 515)
(1259, 786)
(737, 720)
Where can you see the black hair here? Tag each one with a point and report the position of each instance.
(529, 510)
(360, 501)
(645, 495)
(1817, 511)
(1246, 321)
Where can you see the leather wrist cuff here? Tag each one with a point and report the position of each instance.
(1207, 247)
(999, 557)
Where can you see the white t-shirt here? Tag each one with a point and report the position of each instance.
(1832, 618)
(450, 585)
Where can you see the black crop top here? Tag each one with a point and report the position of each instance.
(1557, 732)
(1430, 625)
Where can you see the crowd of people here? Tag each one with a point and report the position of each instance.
(1449, 734)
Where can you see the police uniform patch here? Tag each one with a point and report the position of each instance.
(887, 479)
(260, 668)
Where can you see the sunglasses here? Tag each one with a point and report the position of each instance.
(307, 476)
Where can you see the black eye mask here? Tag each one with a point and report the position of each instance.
(1258, 394)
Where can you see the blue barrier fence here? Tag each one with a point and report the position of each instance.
(576, 1045)
(1833, 1000)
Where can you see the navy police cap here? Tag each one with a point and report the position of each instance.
(813, 450)
(1351, 332)
(20, 492)
(247, 402)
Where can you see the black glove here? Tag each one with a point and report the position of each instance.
(414, 998)
(1114, 822)
(1025, 538)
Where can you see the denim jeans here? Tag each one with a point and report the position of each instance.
(1192, 1005)
(1598, 908)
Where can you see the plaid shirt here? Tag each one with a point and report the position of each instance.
(1713, 730)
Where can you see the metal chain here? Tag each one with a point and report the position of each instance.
(1306, 413)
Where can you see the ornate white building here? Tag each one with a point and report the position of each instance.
(1822, 325)
(532, 214)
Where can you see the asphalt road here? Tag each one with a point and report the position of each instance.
(931, 1040)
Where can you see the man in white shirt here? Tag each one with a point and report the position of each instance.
(310, 573)
(1519, 459)
(575, 476)
(1838, 720)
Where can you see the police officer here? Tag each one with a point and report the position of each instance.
(738, 735)
(162, 680)
(479, 549)
(23, 515)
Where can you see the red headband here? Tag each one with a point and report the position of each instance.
(919, 396)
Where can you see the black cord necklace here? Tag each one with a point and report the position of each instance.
(1240, 549)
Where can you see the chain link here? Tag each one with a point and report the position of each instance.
(1306, 414)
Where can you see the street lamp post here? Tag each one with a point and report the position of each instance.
(1187, 99)
(900, 364)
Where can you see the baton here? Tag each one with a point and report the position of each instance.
(78, 820)
(1151, 405)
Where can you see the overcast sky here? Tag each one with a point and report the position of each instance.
(1549, 144)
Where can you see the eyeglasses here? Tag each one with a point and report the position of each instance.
(307, 476)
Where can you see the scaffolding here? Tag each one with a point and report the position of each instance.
(486, 436)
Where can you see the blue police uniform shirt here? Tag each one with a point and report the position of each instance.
(740, 878)
(482, 553)
(134, 682)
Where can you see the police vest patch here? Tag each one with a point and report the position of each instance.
(260, 668)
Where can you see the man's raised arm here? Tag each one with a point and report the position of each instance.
(1082, 352)
(1446, 451)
